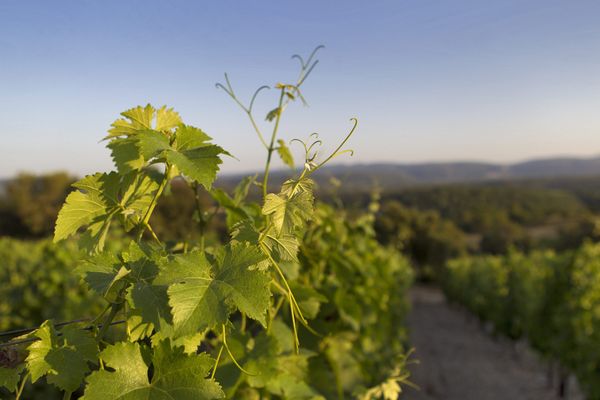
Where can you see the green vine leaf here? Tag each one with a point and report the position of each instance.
(200, 164)
(285, 154)
(271, 115)
(175, 375)
(189, 137)
(203, 296)
(9, 377)
(104, 273)
(187, 148)
(99, 199)
(289, 213)
(63, 360)
(151, 143)
(281, 247)
(126, 155)
(142, 118)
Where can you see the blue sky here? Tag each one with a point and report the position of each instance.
(428, 80)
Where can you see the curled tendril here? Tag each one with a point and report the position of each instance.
(256, 94)
(315, 143)
(301, 142)
(309, 65)
(227, 88)
(338, 151)
(308, 158)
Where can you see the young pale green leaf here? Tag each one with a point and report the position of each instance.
(285, 154)
(176, 375)
(38, 350)
(200, 164)
(146, 135)
(151, 143)
(142, 118)
(100, 197)
(126, 155)
(166, 119)
(282, 248)
(82, 207)
(293, 186)
(203, 296)
(188, 137)
(289, 213)
(141, 135)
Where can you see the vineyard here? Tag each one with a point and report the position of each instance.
(300, 301)
(549, 299)
(157, 280)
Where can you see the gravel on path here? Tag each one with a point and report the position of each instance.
(459, 360)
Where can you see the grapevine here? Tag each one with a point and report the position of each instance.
(260, 316)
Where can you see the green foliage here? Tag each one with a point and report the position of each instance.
(499, 217)
(297, 299)
(423, 236)
(31, 203)
(285, 154)
(551, 299)
(100, 198)
(203, 296)
(63, 360)
(364, 285)
(39, 284)
(176, 375)
(471, 207)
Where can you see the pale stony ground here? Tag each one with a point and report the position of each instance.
(459, 360)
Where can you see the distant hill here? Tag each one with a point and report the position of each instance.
(390, 175)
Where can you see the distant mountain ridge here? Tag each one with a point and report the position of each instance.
(393, 175)
(401, 175)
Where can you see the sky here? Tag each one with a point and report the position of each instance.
(428, 80)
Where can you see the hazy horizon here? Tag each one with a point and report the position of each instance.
(350, 163)
(497, 82)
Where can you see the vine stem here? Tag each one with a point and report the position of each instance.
(271, 148)
(294, 307)
(231, 354)
(274, 312)
(114, 309)
(214, 371)
(337, 150)
(154, 202)
(152, 233)
(243, 324)
(22, 386)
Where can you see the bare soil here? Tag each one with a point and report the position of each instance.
(461, 360)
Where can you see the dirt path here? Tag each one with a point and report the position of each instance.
(459, 361)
